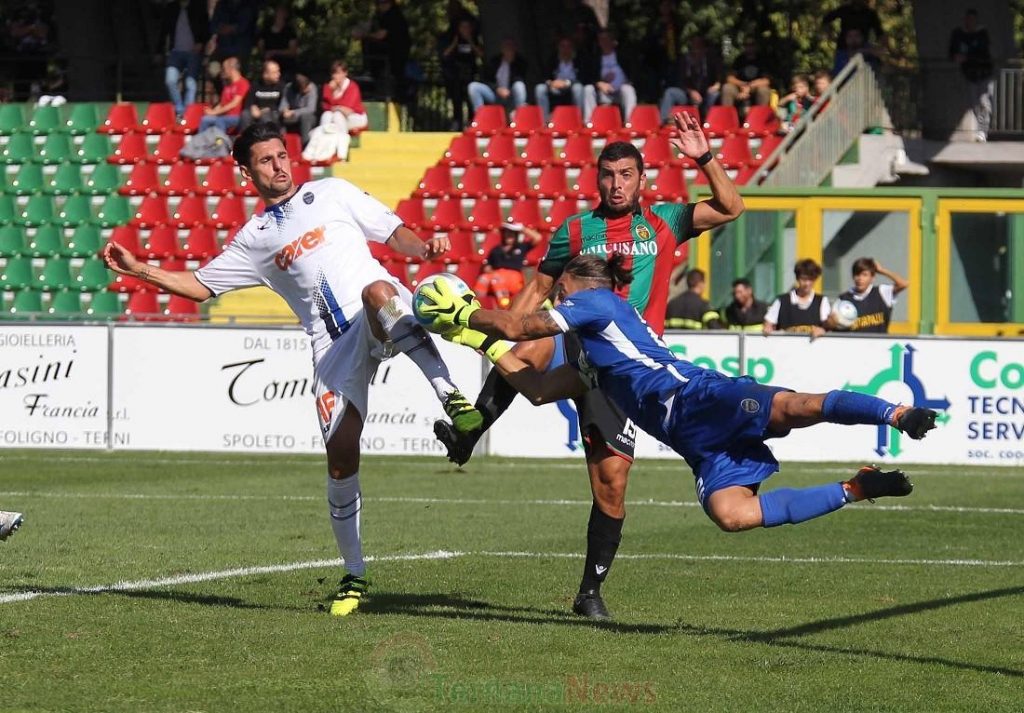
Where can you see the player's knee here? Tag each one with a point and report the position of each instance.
(377, 293)
(732, 519)
(342, 466)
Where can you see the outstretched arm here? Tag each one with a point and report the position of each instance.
(518, 328)
(183, 282)
(725, 204)
(562, 383)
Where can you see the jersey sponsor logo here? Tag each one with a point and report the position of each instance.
(325, 408)
(642, 232)
(875, 319)
(647, 248)
(307, 198)
(299, 247)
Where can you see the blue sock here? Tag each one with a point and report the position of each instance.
(791, 505)
(849, 407)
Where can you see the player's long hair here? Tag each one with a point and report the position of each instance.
(611, 272)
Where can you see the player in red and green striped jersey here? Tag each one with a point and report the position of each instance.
(648, 237)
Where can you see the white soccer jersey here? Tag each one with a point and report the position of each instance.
(312, 251)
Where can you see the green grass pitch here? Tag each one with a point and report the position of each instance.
(191, 582)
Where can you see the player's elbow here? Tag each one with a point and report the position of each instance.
(735, 207)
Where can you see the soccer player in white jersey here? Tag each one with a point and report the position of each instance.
(9, 523)
(310, 247)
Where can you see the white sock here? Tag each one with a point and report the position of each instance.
(345, 502)
(410, 338)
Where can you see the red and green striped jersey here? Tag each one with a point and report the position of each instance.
(647, 237)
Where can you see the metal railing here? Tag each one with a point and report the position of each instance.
(1008, 103)
(851, 105)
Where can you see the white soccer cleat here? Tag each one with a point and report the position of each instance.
(9, 523)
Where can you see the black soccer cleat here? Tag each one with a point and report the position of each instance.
(914, 421)
(459, 445)
(871, 483)
(590, 605)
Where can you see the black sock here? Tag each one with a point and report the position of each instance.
(495, 397)
(603, 536)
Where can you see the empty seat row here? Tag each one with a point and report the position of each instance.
(56, 273)
(22, 148)
(68, 211)
(159, 118)
(60, 304)
(191, 211)
(81, 119)
(483, 214)
(165, 243)
(65, 179)
(182, 179)
(50, 241)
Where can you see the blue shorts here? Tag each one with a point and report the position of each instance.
(719, 426)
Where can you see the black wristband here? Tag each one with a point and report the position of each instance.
(705, 159)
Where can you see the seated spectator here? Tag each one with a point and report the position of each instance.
(227, 112)
(343, 112)
(607, 79)
(822, 81)
(278, 42)
(300, 106)
(460, 51)
(233, 27)
(874, 302)
(265, 98)
(969, 47)
(504, 78)
(696, 81)
(801, 309)
(502, 274)
(183, 33)
(853, 45)
(748, 81)
(563, 85)
(689, 309)
(799, 100)
(386, 45)
(744, 313)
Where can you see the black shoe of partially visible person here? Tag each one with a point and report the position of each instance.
(590, 605)
(459, 445)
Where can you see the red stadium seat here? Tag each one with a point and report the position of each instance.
(168, 149)
(526, 120)
(747, 176)
(293, 144)
(513, 183)
(191, 212)
(200, 244)
(436, 183)
(735, 152)
(537, 251)
(127, 236)
(657, 151)
(461, 151)
(681, 109)
(552, 183)
(301, 173)
(500, 151)
(127, 283)
(645, 119)
(426, 269)
(231, 233)
(539, 150)
(141, 181)
(488, 120)
(230, 211)
(161, 243)
(475, 183)
(399, 270)
(606, 119)
(181, 180)
(121, 119)
(447, 215)
(159, 118)
(585, 185)
(151, 213)
(565, 120)
(182, 309)
(220, 180)
(463, 246)
(768, 145)
(142, 306)
(132, 149)
(761, 120)
(577, 151)
(668, 185)
(469, 271)
(560, 212)
(410, 210)
(491, 240)
(382, 253)
(527, 212)
(486, 215)
(721, 121)
(189, 123)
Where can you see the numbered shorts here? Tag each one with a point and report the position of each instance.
(598, 414)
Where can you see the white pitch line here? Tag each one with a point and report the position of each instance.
(477, 501)
(177, 580)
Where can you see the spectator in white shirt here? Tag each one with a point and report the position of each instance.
(563, 86)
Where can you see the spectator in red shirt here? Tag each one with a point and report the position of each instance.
(228, 110)
(343, 111)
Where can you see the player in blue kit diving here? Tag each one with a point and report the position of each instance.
(717, 423)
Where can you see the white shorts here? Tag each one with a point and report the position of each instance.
(342, 373)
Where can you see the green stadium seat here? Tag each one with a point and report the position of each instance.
(12, 119)
(83, 119)
(55, 275)
(4, 183)
(12, 241)
(75, 211)
(104, 179)
(114, 211)
(45, 120)
(47, 242)
(85, 242)
(19, 148)
(16, 274)
(93, 276)
(104, 304)
(7, 211)
(38, 211)
(26, 302)
(28, 181)
(94, 149)
(65, 305)
(65, 181)
(55, 149)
